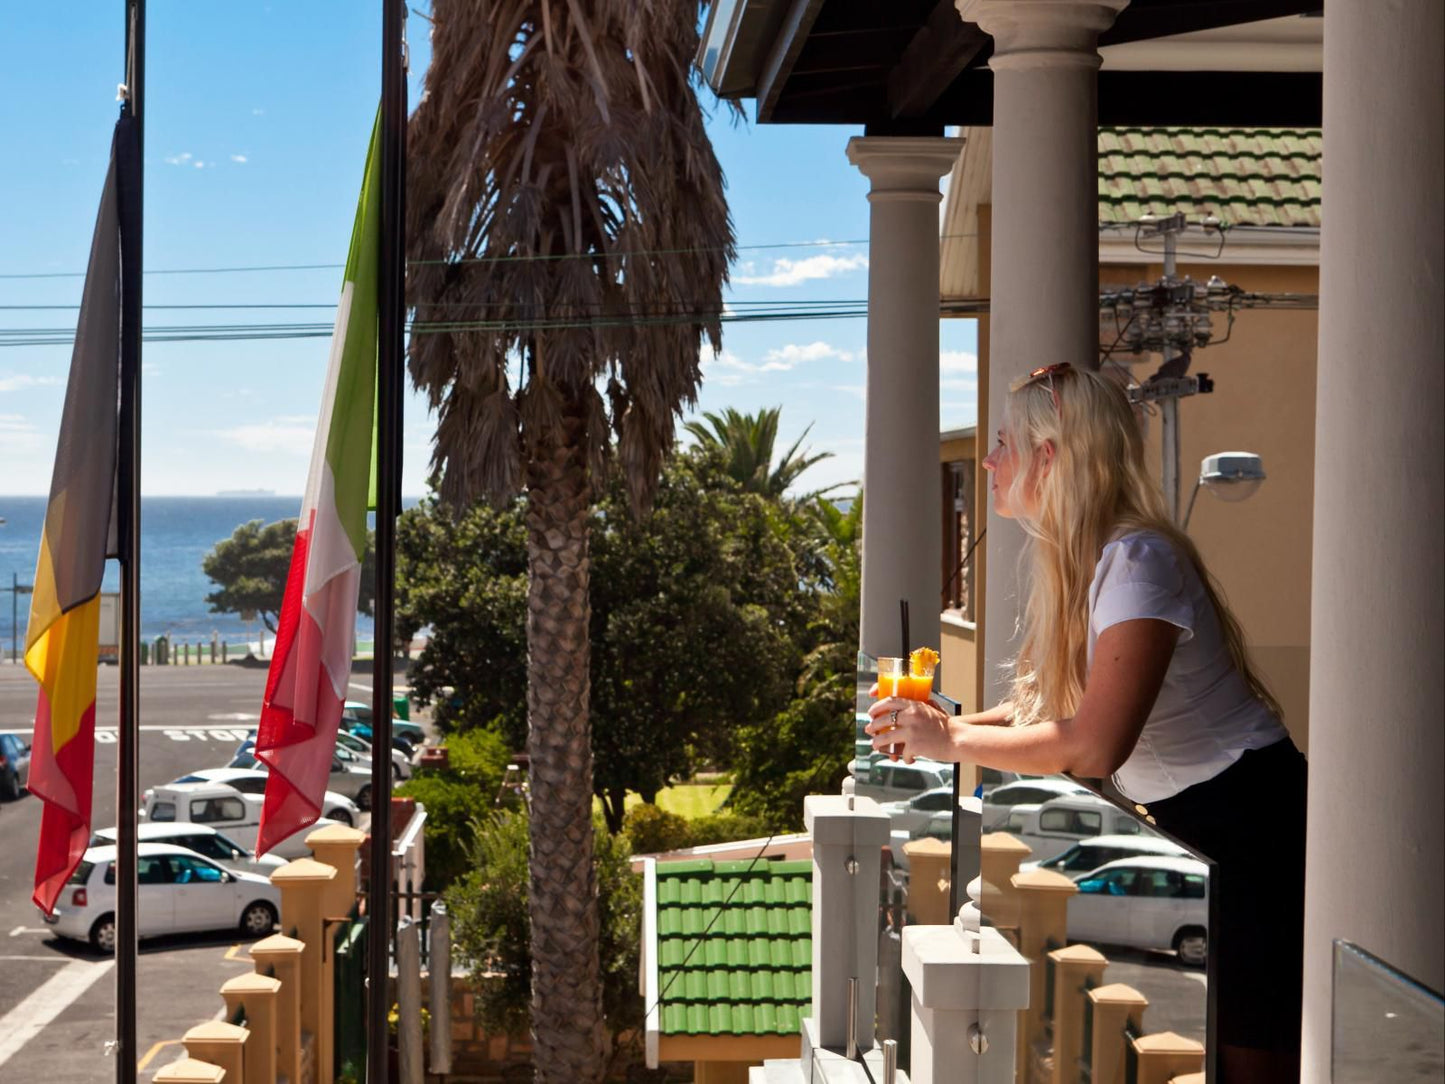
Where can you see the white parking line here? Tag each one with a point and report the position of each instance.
(46, 1002)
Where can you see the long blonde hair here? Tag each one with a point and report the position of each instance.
(1096, 485)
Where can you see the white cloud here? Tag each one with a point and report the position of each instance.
(957, 361)
(17, 435)
(21, 381)
(179, 159)
(290, 435)
(729, 370)
(199, 164)
(788, 272)
(240, 158)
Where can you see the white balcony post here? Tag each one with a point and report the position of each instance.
(902, 495)
(848, 838)
(1044, 260)
(1377, 588)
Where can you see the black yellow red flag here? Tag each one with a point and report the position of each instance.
(62, 640)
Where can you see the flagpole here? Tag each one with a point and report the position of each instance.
(131, 188)
(390, 311)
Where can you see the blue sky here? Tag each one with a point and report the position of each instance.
(256, 129)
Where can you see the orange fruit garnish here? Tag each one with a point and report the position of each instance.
(922, 660)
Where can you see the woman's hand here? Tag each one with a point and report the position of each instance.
(910, 728)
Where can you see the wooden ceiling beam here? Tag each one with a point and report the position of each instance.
(938, 54)
(1141, 21)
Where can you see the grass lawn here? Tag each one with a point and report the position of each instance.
(689, 799)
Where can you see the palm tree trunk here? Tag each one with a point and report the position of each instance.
(567, 1024)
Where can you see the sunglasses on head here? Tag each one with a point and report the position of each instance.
(1044, 371)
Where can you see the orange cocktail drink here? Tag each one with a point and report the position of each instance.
(910, 678)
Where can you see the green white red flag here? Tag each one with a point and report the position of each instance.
(311, 661)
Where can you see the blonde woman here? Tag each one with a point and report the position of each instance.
(1132, 667)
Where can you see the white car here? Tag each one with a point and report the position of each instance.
(919, 812)
(359, 747)
(204, 840)
(886, 780)
(348, 775)
(1090, 854)
(334, 806)
(178, 892)
(1150, 902)
(224, 808)
(1059, 823)
(1000, 801)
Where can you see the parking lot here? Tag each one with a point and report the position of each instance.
(57, 998)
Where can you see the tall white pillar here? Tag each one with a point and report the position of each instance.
(1044, 261)
(1376, 822)
(902, 491)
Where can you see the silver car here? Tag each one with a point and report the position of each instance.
(204, 840)
(14, 766)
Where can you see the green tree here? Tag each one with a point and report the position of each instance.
(489, 910)
(699, 620)
(747, 444)
(561, 186)
(250, 570)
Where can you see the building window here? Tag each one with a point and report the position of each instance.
(959, 557)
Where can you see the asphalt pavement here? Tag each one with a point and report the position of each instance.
(57, 998)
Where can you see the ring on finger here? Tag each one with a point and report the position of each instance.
(893, 717)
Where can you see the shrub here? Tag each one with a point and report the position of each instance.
(492, 932)
(454, 798)
(653, 830)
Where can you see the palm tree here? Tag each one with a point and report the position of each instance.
(569, 244)
(747, 441)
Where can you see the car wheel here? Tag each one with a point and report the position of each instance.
(1192, 944)
(363, 797)
(10, 786)
(341, 816)
(102, 935)
(258, 919)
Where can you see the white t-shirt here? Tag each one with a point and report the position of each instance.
(1205, 717)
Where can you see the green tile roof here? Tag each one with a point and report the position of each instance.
(734, 946)
(1244, 176)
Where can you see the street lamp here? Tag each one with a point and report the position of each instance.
(1230, 476)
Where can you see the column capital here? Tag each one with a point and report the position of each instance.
(1042, 33)
(904, 166)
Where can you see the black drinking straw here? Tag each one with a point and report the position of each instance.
(903, 615)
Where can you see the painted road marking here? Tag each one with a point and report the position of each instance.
(109, 735)
(18, 930)
(233, 716)
(51, 959)
(153, 1051)
(46, 1002)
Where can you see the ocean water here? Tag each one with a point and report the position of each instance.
(176, 533)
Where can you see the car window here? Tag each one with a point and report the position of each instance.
(1159, 883)
(229, 846)
(81, 874)
(1126, 826)
(909, 778)
(207, 844)
(1113, 882)
(1083, 859)
(243, 760)
(215, 810)
(1194, 886)
(248, 785)
(940, 800)
(186, 870)
(1075, 822)
(163, 811)
(189, 779)
(1017, 821)
(150, 870)
(1022, 794)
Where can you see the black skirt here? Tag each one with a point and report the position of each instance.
(1250, 821)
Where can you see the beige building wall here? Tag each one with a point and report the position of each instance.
(1263, 402)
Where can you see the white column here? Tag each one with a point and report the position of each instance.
(1044, 263)
(902, 493)
(1376, 690)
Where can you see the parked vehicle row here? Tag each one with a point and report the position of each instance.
(14, 766)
